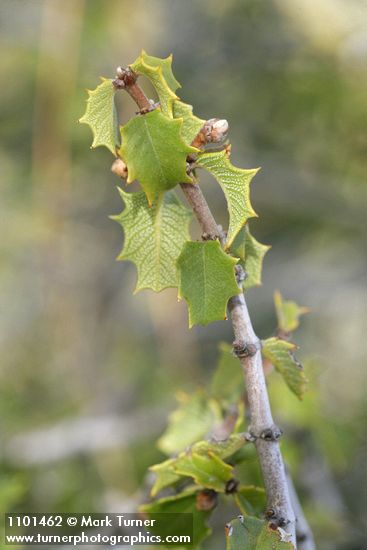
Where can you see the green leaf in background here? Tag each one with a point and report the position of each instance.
(101, 116)
(155, 153)
(207, 470)
(251, 254)
(227, 382)
(159, 72)
(191, 123)
(154, 237)
(288, 313)
(183, 503)
(165, 476)
(206, 281)
(192, 420)
(223, 449)
(203, 461)
(235, 183)
(250, 500)
(280, 354)
(249, 533)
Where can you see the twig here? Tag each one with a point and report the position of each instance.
(263, 431)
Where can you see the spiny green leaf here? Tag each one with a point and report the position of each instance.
(165, 476)
(158, 71)
(191, 123)
(227, 382)
(166, 65)
(222, 449)
(182, 503)
(101, 116)
(207, 470)
(193, 419)
(251, 254)
(203, 461)
(288, 313)
(206, 281)
(155, 153)
(249, 533)
(154, 237)
(280, 353)
(235, 183)
(250, 500)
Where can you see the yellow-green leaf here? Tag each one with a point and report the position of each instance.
(251, 254)
(288, 313)
(207, 470)
(165, 475)
(154, 237)
(203, 461)
(281, 354)
(101, 116)
(235, 183)
(192, 420)
(191, 123)
(206, 281)
(249, 533)
(166, 65)
(155, 153)
(158, 71)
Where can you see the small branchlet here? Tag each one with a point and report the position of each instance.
(124, 78)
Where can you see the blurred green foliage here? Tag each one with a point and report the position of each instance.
(78, 351)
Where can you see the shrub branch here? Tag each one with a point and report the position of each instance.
(263, 432)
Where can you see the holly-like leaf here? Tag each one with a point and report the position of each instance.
(227, 382)
(166, 66)
(235, 183)
(194, 418)
(206, 281)
(281, 354)
(183, 503)
(159, 72)
(249, 533)
(154, 237)
(251, 255)
(165, 476)
(191, 123)
(203, 461)
(288, 313)
(155, 153)
(207, 470)
(223, 449)
(250, 500)
(101, 116)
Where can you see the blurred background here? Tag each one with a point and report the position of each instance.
(88, 371)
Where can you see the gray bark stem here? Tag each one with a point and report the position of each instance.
(263, 430)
